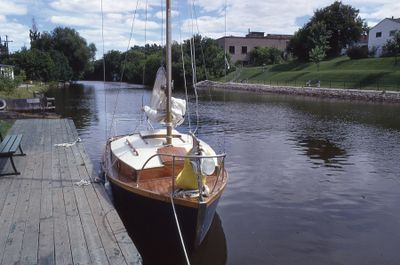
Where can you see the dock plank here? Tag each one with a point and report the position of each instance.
(112, 223)
(11, 217)
(29, 247)
(44, 217)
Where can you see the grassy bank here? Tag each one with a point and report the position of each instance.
(24, 91)
(370, 73)
(5, 125)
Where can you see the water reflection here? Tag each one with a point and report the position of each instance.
(78, 102)
(311, 181)
(322, 149)
(164, 247)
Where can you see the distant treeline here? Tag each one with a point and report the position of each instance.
(63, 55)
(139, 64)
(59, 55)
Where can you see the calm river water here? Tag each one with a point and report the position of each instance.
(311, 181)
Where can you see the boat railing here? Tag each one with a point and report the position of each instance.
(219, 168)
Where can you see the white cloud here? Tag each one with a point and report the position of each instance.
(10, 8)
(84, 15)
(93, 6)
(17, 33)
(161, 14)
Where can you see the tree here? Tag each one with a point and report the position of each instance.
(74, 47)
(319, 36)
(265, 55)
(317, 54)
(300, 44)
(43, 43)
(342, 23)
(61, 70)
(140, 63)
(70, 44)
(113, 67)
(392, 46)
(34, 34)
(37, 64)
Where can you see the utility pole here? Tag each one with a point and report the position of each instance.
(6, 44)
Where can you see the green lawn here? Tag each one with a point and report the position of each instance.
(24, 91)
(341, 72)
(5, 125)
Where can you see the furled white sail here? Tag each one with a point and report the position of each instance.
(157, 112)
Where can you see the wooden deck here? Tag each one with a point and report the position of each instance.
(44, 217)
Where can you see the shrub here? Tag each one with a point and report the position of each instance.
(265, 55)
(6, 84)
(357, 52)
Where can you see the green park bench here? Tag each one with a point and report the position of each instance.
(8, 147)
(311, 83)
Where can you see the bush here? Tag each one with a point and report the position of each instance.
(6, 84)
(357, 52)
(265, 55)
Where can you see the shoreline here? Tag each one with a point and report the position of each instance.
(320, 92)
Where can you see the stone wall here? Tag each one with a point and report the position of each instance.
(350, 94)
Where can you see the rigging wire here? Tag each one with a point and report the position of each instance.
(201, 45)
(123, 66)
(162, 28)
(225, 63)
(202, 50)
(194, 72)
(145, 42)
(184, 74)
(104, 69)
(225, 59)
(171, 194)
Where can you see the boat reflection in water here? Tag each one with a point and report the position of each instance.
(158, 245)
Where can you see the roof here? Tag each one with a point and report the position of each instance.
(268, 36)
(6, 65)
(395, 19)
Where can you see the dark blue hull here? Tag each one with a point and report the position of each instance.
(155, 220)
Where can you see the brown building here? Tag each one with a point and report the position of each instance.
(240, 47)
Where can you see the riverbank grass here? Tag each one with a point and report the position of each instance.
(24, 90)
(5, 125)
(341, 72)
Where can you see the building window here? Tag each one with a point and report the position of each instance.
(244, 49)
(378, 34)
(392, 33)
(232, 49)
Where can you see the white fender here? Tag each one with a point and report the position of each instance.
(3, 104)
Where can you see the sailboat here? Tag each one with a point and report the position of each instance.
(164, 176)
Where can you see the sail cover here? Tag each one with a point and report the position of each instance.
(157, 111)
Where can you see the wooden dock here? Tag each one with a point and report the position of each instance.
(45, 218)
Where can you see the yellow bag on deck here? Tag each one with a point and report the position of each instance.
(187, 179)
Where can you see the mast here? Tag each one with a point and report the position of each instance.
(169, 71)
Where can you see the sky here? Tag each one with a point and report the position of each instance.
(147, 18)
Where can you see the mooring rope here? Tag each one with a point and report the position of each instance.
(179, 229)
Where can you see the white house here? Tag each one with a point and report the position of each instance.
(381, 33)
(7, 71)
